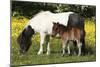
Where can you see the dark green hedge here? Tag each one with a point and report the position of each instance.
(28, 9)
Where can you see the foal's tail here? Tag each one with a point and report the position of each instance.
(83, 42)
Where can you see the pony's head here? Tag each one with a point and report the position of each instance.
(55, 29)
(24, 39)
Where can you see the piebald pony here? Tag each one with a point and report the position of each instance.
(43, 23)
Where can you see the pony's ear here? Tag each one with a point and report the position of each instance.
(57, 23)
(54, 23)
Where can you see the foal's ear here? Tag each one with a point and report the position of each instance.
(57, 22)
(54, 23)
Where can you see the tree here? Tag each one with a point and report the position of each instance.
(28, 9)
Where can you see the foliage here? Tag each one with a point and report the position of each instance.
(31, 56)
(90, 38)
(28, 9)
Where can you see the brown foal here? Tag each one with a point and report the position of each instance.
(67, 34)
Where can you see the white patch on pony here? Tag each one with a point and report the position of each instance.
(62, 18)
(43, 21)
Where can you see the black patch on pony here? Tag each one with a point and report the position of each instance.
(24, 39)
(76, 20)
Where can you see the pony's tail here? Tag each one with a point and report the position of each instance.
(83, 42)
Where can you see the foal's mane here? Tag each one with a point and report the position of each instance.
(63, 28)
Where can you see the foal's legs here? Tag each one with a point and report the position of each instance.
(63, 47)
(48, 44)
(79, 44)
(42, 38)
(68, 48)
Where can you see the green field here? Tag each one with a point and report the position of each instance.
(31, 56)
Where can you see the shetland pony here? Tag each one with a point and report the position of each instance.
(67, 34)
(43, 23)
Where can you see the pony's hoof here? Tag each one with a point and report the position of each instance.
(39, 53)
(48, 53)
(69, 54)
(79, 55)
(62, 55)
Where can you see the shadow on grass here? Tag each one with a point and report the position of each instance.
(90, 50)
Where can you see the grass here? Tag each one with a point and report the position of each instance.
(31, 56)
